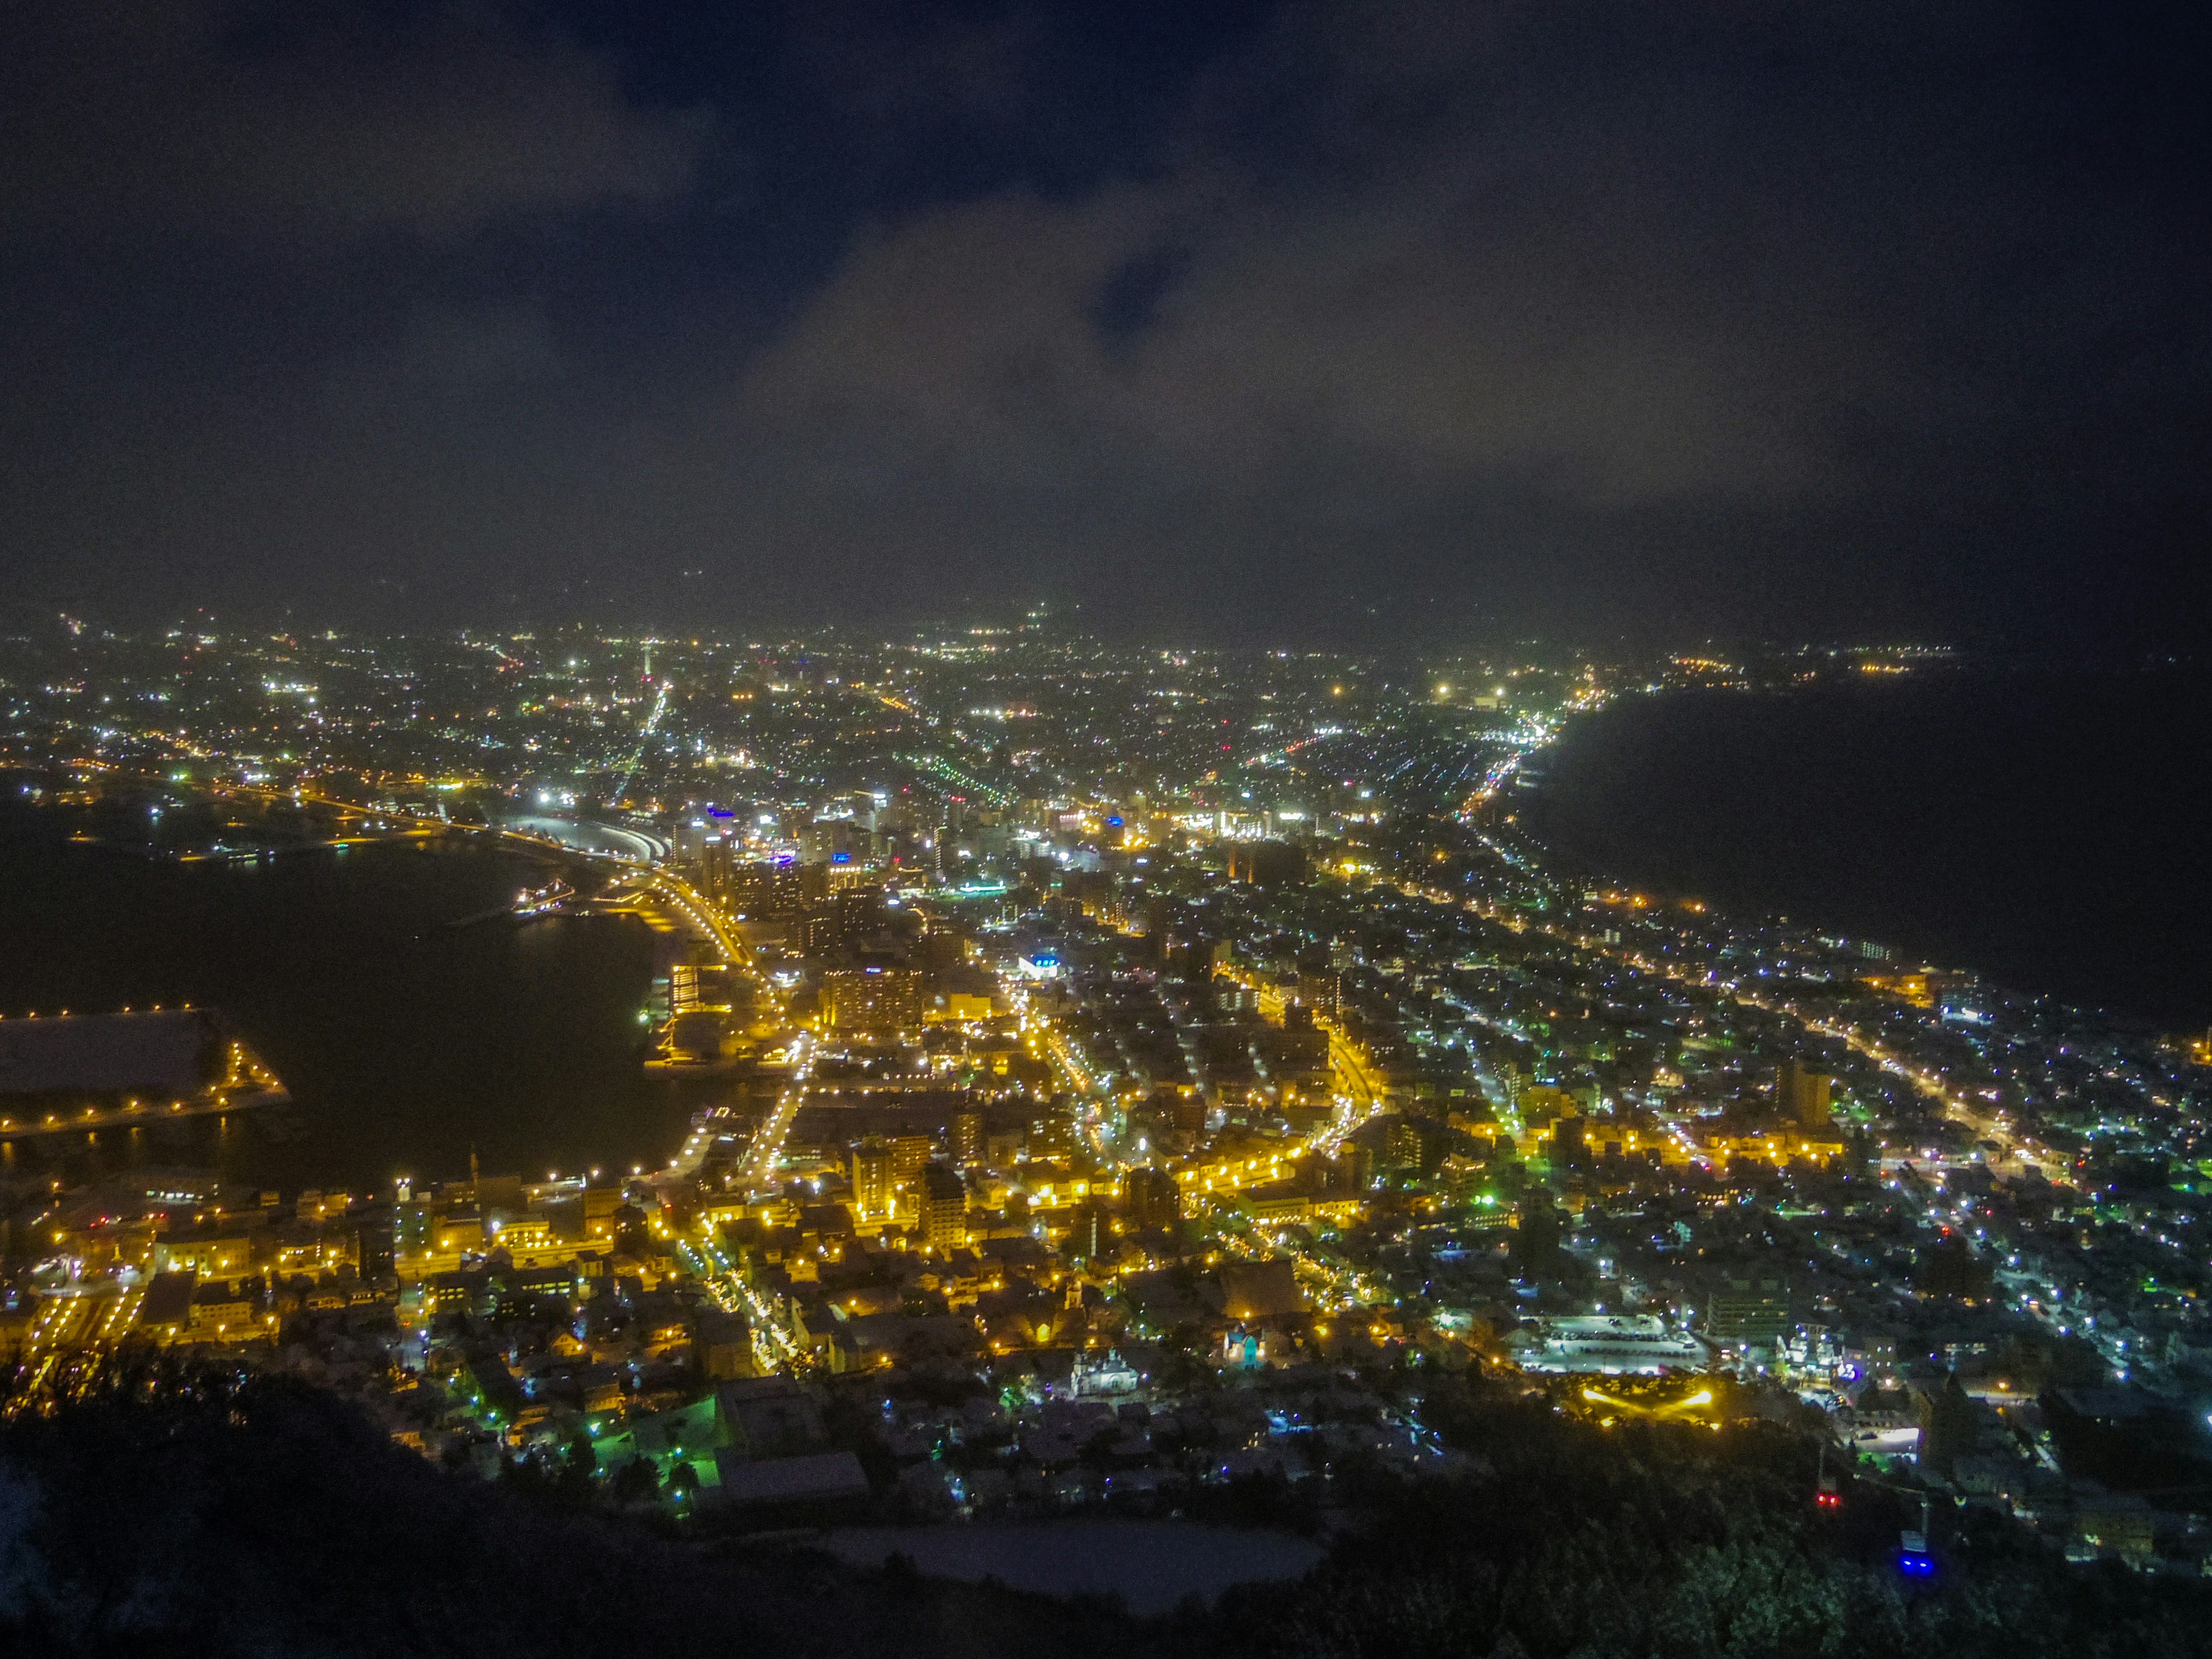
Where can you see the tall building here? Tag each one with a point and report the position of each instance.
(908, 1154)
(1947, 1425)
(793, 887)
(1266, 863)
(1748, 1311)
(872, 999)
(1803, 1095)
(943, 1208)
(722, 1346)
(1320, 995)
(873, 1182)
(749, 890)
(1414, 1144)
(1354, 1167)
(1153, 1199)
(968, 1139)
(1538, 1228)
(1509, 1082)
(1089, 1233)
(833, 840)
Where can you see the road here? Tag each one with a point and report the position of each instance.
(137, 1113)
(765, 1153)
(1360, 1094)
(732, 1294)
(592, 839)
(696, 910)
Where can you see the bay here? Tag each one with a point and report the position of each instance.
(407, 1043)
(2045, 829)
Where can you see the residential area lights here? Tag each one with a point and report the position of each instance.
(1185, 1015)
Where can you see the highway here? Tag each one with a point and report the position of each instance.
(590, 839)
(583, 837)
(678, 895)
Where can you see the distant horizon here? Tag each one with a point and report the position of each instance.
(1374, 639)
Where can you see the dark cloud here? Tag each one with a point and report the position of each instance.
(484, 350)
(189, 115)
(1581, 315)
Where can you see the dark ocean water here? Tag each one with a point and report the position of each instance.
(2047, 830)
(405, 1043)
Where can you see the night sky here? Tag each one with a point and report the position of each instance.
(1314, 322)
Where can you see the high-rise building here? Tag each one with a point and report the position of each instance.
(1266, 863)
(1151, 1198)
(968, 1144)
(690, 841)
(909, 1154)
(715, 865)
(943, 1208)
(1748, 1311)
(793, 887)
(1569, 1146)
(873, 999)
(1538, 1228)
(1090, 1232)
(1320, 992)
(1803, 1095)
(833, 840)
(1414, 1144)
(722, 1346)
(873, 1182)
(750, 890)
(1947, 1422)
(1354, 1167)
